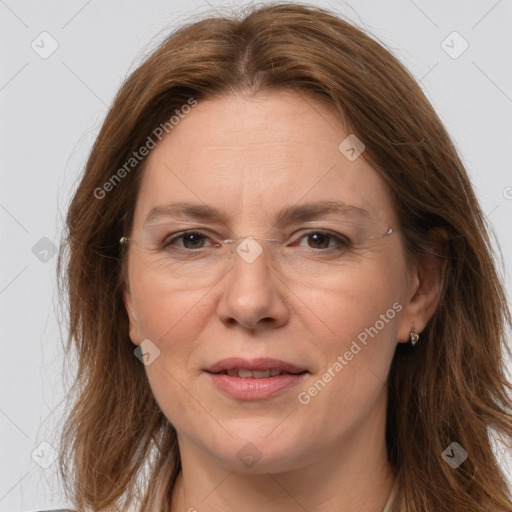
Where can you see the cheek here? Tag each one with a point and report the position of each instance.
(352, 379)
(174, 322)
(362, 297)
(361, 330)
(166, 312)
(360, 311)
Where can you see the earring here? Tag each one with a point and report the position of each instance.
(414, 336)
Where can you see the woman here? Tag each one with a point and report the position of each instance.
(281, 287)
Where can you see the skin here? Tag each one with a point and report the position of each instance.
(249, 156)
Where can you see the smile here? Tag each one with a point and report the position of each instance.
(256, 379)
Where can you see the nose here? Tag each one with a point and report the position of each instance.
(253, 294)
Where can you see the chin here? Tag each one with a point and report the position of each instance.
(257, 450)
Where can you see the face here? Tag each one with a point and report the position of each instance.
(278, 349)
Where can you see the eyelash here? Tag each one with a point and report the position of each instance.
(340, 241)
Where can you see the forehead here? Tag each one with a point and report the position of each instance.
(254, 154)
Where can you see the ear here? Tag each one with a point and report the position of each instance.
(134, 328)
(426, 285)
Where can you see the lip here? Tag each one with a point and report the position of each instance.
(253, 388)
(262, 363)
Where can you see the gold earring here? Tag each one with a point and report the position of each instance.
(414, 336)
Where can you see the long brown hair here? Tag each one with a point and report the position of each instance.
(117, 446)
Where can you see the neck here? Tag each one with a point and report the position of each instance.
(348, 475)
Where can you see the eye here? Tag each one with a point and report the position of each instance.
(323, 240)
(187, 240)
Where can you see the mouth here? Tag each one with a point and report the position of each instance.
(260, 368)
(244, 373)
(254, 379)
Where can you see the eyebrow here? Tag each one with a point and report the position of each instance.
(295, 213)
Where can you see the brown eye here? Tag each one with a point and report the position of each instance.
(319, 241)
(193, 240)
(326, 242)
(188, 240)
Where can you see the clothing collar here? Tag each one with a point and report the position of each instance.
(391, 498)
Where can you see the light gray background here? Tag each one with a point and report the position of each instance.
(51, 110)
